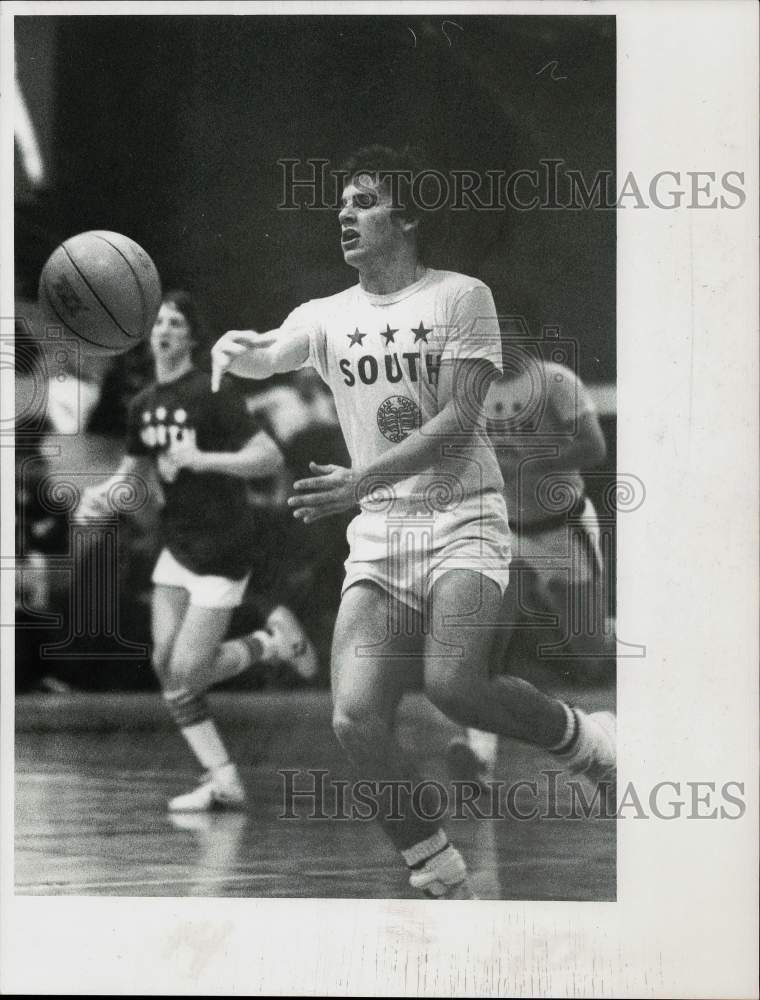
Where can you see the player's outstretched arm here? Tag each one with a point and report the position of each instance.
(258, 355)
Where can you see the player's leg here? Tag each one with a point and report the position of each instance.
(371, 663)
(195, 648)
(187, 706)
(168, 607)
(472, 756)
(464, 608)
(282, 638)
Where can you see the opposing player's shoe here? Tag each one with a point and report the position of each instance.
(444, 876)
(219, 789)
(466, 765)
(594, 755)
(291, 644)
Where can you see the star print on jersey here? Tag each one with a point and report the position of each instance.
(421, 333)
(388, 334)
(356, 337)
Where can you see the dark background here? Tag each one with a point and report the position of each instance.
(169, 129)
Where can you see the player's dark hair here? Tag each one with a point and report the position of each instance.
(395, 169)
(185, 303)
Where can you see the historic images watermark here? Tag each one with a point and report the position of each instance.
(312, 795)
(50, 367)
(551, 185)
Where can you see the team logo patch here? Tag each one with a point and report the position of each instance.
(397, 417)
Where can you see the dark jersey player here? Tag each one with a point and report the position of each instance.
(197, 450)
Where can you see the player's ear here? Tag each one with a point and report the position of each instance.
(409, 224)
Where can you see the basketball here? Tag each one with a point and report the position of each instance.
(103, 288)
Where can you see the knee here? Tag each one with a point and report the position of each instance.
(356, 730)
(160, 659)
(182, 673)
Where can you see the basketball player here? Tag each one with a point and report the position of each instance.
(545, 430)
(409, 353)
(203, 447)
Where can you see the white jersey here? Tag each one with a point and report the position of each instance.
(381, 355)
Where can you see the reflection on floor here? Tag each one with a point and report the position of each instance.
(94, 773)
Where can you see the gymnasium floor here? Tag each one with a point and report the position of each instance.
(93, 773)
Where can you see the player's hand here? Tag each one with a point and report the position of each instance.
(330, 491)
(183, 454)
(94, 504)
(227, 349)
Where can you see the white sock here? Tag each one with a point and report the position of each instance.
(237, 655)
(266, 640)
(571, 736)
(206, 744)
(425, 849)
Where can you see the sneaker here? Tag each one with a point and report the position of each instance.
(464, 764)
(594, 755)
(220, 789)
(291, 644)
(444, 877)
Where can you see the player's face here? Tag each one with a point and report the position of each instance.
(171, 338)
(371, 231)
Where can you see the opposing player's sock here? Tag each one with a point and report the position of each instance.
(485, 746)
(190, 712)
(237, 655)
(206, 744)
(438, 869)
(221, 785)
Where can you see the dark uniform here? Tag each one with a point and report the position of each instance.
(206, 523)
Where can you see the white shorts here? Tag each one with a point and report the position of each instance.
(405, 551)
(205, 591)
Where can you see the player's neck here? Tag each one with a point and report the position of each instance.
(391, 276)
(167, 371)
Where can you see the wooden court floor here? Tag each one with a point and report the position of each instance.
(94, 771)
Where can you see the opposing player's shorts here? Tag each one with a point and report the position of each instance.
(558, 558)
(407, 548)
(205, 591)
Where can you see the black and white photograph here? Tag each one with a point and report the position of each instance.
(384, 518)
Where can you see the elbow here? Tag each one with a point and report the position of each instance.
(597, 451)
(268, 465)
(601, 445)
